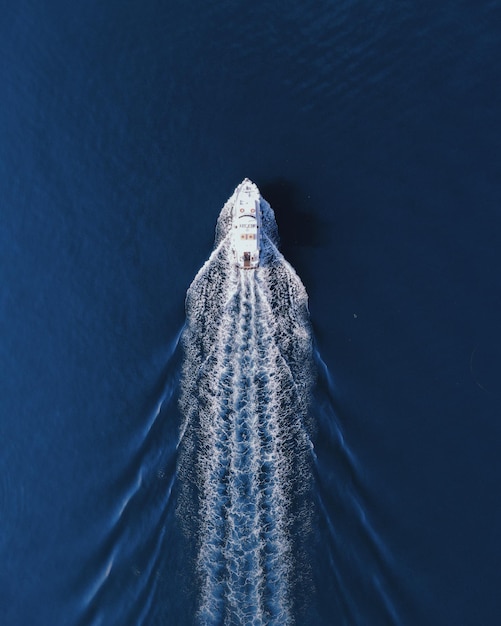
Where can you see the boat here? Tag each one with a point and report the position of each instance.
(246, 225)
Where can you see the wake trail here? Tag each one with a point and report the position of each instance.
(245, 453)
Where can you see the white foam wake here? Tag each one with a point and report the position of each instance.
(245, 446)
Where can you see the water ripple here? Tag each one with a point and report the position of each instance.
(362, 565)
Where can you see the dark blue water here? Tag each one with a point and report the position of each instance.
(373, 129)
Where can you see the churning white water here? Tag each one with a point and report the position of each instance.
(244, 458)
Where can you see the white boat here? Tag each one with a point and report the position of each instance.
(246, 225)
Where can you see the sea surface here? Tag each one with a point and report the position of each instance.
(360, 483)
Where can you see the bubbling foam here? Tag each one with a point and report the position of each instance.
(244, 458)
